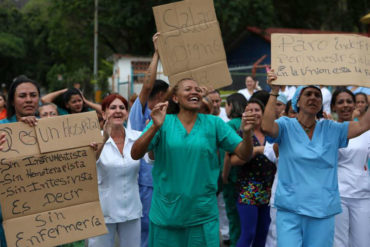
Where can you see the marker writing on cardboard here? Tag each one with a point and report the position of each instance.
(55, 226)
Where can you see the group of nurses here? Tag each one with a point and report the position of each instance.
(307, 196)
(185, 173)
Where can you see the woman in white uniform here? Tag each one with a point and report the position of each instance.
(352, 225)
(117, 178)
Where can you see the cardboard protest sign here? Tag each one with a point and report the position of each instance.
(20, 140)
(190, 44)
(56, 226)
(74, 131)
(51, 198)
(321, 59)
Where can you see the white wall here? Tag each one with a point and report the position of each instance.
(123, 66)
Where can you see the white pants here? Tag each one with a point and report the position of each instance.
(224, 221)
(352, 226)
(271, 240)
(128, 235)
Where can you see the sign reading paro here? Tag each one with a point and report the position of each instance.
(48, 181)
(321, 59)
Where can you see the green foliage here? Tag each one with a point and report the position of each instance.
(50, 38)
(11, 46)
(105, 72)
(55, 77)
(234, 16)
(335, 15)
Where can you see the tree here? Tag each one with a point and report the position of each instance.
(12, 41)
(50, 38)
(334, 15)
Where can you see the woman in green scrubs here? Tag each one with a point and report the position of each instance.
(186, 168)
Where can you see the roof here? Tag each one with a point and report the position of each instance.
(266, 33)
(117, 56)
(366, 19)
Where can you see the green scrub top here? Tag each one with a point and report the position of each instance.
(234, 170)
(186, 170)
(235, 123)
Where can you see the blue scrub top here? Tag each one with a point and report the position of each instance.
(308, 181)
(137, 121)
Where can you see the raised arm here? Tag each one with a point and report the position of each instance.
(357, 128)
(50, 97)
(150, 75)
(269, 127)
(236, 161)
(244, 149)
(141, 145)
(92, 105)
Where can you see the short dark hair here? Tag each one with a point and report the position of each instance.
(262, 95)
(13, 86)
(159, 86)
(214, 91)
(238, 103)
(110, 98)
(258, 102)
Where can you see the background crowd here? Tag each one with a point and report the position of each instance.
(287, 167)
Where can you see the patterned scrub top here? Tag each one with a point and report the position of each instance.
(255, 179)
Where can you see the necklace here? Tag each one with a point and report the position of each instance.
(307, 129)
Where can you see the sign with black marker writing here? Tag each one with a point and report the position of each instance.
(321, 59)
(55, 227)
(63, 132)
(50, 198)
(21, 139)
(190, 44)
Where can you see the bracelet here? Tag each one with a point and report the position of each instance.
(273, 94)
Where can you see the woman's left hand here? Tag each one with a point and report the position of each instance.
(248, 121)
(2, 140)
(94, 146)
(30, 120)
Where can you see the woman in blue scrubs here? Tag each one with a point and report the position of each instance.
(307, 196)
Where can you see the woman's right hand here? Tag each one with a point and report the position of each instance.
(158, 114)
(271, 76)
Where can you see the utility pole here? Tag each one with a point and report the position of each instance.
(96, 43)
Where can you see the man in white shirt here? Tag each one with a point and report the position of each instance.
(215, 97)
